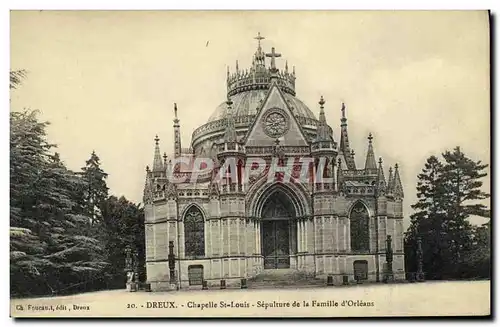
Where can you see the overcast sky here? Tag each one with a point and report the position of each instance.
(107, 81)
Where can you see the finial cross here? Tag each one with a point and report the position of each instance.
(321, 102)
(259, 38)
(273, 55)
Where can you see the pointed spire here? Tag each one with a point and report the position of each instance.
(259, 57)
(177, 133)
(176, 118)
(146, 195)
(381, 178)
(340, 179)
(286, 66)
(164, 159)
(370, 163)
(157, 163)
(344, 142)
(390, 182)
(398, 186)
(230, 134)
(343, 120)
(237, 67)
(322, 130)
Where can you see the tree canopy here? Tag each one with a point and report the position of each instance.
(66, 233)
(449, 192)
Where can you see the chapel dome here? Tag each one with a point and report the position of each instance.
(247, 89)
(247, 103)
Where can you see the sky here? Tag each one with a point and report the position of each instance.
(107, 81)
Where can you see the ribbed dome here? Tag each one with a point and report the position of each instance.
(246, 104)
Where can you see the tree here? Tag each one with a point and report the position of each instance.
(53, 248)
(97, 190)
(447, 196)
(123, 225)
(428, 218)
(50, 250)
(16, 76)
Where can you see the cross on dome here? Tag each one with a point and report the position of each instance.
(273, 55)
(259, 38)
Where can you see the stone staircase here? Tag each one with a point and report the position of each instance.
(284, 278)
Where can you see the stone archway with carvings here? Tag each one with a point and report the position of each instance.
(277, 206)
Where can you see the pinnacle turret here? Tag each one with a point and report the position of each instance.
(370, 163)
(390, 182)
(398, 186)
(345, 148)
(177, 133)
(157, 162)
(381, 178)
(340, 179)
(322, 130)
(230, 134)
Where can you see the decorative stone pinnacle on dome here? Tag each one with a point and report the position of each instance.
(176, 118)
(230, 134)
(370, 137)
(380, 161)
(157, 140)
(259, 57)
(344, 119)
(259, 77)
(321, 102)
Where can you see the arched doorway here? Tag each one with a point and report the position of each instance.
(278, 231)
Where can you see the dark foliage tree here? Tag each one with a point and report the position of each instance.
(97, 190)
(447, 195)
(50, 248)
(15, 78)
(53, 247)
(123, 225)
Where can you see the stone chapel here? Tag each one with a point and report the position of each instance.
(232, 230)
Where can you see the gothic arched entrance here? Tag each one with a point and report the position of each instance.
(278, 231)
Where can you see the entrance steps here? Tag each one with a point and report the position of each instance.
(284, 278)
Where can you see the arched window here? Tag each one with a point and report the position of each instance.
(194, 233)
(360, 235)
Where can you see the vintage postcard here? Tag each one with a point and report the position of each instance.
(250, 164)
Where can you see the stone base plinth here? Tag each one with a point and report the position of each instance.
(132, 287)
